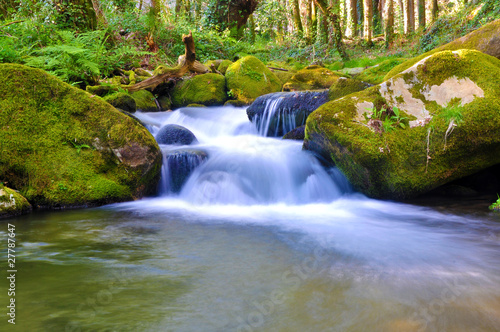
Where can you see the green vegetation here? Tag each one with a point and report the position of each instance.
(62, 147)
(495, 206)
(399, 164)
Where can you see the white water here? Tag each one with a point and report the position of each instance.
(260, 218)
(390, 254)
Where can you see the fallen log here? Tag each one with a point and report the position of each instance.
(188, 65)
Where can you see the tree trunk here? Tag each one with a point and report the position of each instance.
(333, 18)
(352, 18)
(252, 28)
(322, 29)
(309, 27)
(368, 21)
(296, 17)
(409, 16)
(421, 14)
(435, 10)
(389, 22)
(188, 63)
(76, 14)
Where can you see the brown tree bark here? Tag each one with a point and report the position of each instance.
(188, 64)
(352, 18)
(434, 10)
(368, 21)
(409, 16)
(421, 14)
(389, 22)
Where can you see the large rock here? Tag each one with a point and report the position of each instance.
(248, 78)
(175, 135)
(180, 164)
(275, 114)
(145, 101)
(311, 78)
(345, 86)
(62, 147)
(12, 203)
(485, 39)
(122, 101)
(205, 89)
(450, 109)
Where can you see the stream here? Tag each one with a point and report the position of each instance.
(260, 238)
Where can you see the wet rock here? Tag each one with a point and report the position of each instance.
(278, 113)
(175, 135)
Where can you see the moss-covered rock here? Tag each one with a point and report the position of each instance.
(205, 89)
(12, 203)
(345, 86)
(62, 147)
(235, 103)
(248, 78)
(101, 90)
(449, 106)
(375, 74)
(122, 101)
(485, 39)
(284, 76)
(145, 101)
(311, 78)
(223, 66)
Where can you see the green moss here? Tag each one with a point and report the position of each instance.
(223, 66)
(482, 39)
(122, 101)
(311, 78)
(205, 89)
(61, 146)
(395, 164)
(196, 105)
(145, 101)
(12, 203)
(345, 86)
(375, 74)
(284, 76)
(248, 78)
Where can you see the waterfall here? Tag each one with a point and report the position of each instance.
(233, 164)
(276, 114)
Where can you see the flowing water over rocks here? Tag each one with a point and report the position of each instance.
(259, 238)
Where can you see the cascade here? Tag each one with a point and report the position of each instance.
(234, 163)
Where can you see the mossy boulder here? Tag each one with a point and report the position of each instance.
(122, 101)
(311, 78)
(223, 66)
(375, 74)
(101, 90)
(248, 78)
(205, 89)
(284, 76)
(485, 39)
(345, 86)
(12, 203)
(436, 122)
(145, 101)
(63, 147)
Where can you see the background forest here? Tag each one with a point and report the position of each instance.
(87, 40)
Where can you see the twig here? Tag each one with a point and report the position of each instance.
(448, 132)
(428, 157)
(13, 22)
(274, 68)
